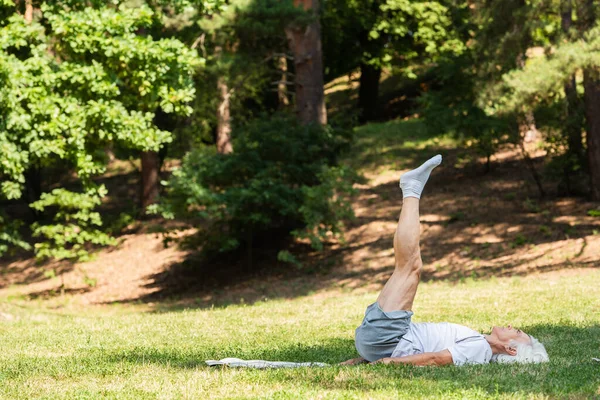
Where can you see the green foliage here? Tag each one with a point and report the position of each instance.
(287, 257)
(454, 108)
(204, 6)
(282, 179)
(69, 88)
(75, 224)
(242, 44)
(153, 73)
(531, 206)
(158, 6)
(422, 26)
(546, 231)
(479, 46)
(483, 94)
(397, 34)
(543, 77)
(326, 205)
(539, 87)
(519, 240)
(594, 213)
(9, 236)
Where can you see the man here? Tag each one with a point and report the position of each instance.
(387, 334)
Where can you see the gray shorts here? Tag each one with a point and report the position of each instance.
(380, 332)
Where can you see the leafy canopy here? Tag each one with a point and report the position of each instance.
(83, 80)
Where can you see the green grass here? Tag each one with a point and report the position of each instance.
(129, 352)
(58, 349)
(396, 145)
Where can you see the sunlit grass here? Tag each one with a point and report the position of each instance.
(133, 352)
(58, 348)
(395, 144)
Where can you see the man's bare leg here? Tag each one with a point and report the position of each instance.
(399, 291)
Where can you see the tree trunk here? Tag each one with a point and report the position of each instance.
(110, 153)
(223, 118)
(527, 127)
(572, 131)
(165, 122)
(282, 94)
(150, 179)
(368, 92)
(591, 83)
(28, 11)
(305, 43)
(528, 133)
(573, 126)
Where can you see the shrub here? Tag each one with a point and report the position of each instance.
(282, 180)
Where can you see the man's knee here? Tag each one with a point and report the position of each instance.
(412, 266)
(411, 263)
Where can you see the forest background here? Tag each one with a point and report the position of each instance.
(220, 108)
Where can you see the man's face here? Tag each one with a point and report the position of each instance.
(507, 333)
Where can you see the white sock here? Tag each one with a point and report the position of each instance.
(413, 181)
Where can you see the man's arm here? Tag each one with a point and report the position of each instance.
(438, 358)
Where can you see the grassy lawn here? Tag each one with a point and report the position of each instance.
(137, 352)
(395, 145)
(57, 347)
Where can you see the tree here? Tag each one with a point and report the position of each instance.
(72, 85)
(398, 35)
(542, 81)
(243, 45)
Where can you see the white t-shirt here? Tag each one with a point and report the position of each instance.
(466, 345)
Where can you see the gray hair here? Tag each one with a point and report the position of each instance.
(532, 352)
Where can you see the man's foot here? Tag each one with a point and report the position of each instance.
(413, 182)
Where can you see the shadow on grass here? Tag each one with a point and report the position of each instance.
(204, 283)
(331, 351)
(25, 270)
(50, 293)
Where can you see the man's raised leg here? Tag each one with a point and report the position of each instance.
(386, 321)
(399, 291)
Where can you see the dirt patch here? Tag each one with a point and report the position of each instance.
(119, 274)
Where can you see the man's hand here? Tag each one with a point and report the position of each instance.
(354, 361)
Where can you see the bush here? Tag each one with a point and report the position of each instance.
(282, 180)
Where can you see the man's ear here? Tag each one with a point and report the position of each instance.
(510, 350)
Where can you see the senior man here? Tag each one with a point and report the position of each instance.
(387, 334)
